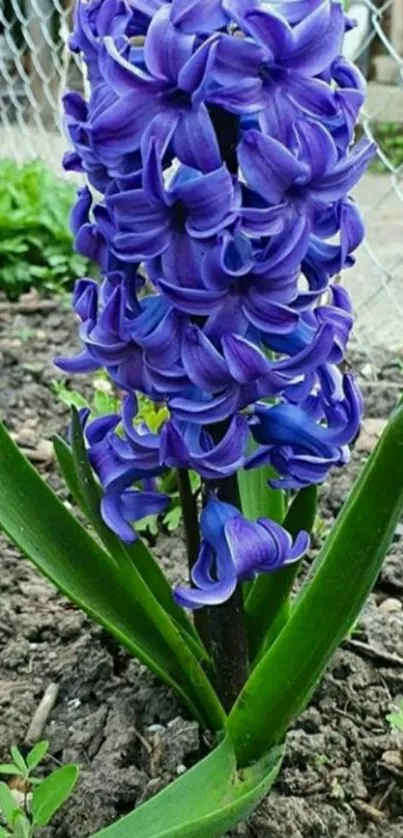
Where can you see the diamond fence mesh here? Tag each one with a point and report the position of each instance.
(36, 66)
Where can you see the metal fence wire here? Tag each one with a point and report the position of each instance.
(36, 66)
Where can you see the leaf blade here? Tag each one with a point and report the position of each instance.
(32, 515)
(37, 754)
(181, 811)
(53, 791)
(271, 591)
(346, 569)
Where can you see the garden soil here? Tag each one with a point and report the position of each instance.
(343, 773)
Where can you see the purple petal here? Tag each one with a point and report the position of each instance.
(81, 211)
(226, 457)
(315, 353)
(216, 594)
(206, 412)
(295, 10)
(97, 430)
(268, 166)
(313, 96)
(195, 141)
(335, 184)
(209, 201)
(166, 48)
(153, 179)
(191, 16)
(236, 58)
(191, 300)
(271, 31)
(203, 364)
(245, 361)
(126, 78)
(173, 449)
(195, 75)
(317, 40)
(316, 147)
(129, 506)
(78, 364)
(269, 316)
(250, 547)
(246, 97)
(134, 247)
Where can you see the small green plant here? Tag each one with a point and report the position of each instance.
(389, 136)
(31, 802)
(36, 245)
(395, 719)
(321, 759)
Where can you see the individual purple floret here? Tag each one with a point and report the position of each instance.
(236, 550)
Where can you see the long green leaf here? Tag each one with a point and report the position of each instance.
(55, 542)
(258, 499)
(195, 681)
(207, 801)
(79, 477)
(347, 567)
(267, 606)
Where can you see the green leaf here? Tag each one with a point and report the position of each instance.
(22, 827)
(196, 685)
(37, 754)
(267, 606)
(4, 833)
(207, 801)
(71, 398)
(10, 768)
(347, 567)
(18, 758)
(138, 554)
(52, 793)
(55, 542)
(8, 806)
(395, 720)
(172, 518)
(258, 499)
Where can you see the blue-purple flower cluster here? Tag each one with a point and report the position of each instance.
(218, 143)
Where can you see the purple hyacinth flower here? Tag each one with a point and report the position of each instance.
(233, 550)
(155, 221)
(274, 68)
(301, 179)
(188, 445)
(294, 441)
(119, 463)
(164, 88)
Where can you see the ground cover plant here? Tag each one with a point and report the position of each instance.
(36, 245)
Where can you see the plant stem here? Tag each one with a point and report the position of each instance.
(191, 527)
(227, 624)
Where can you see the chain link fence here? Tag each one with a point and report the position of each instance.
(36, 66)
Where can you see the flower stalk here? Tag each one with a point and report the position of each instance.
(192, 539)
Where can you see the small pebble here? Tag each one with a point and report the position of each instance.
(45, 449)
(27, 438)
(393, 758)
(156, 729)
(390, 606)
